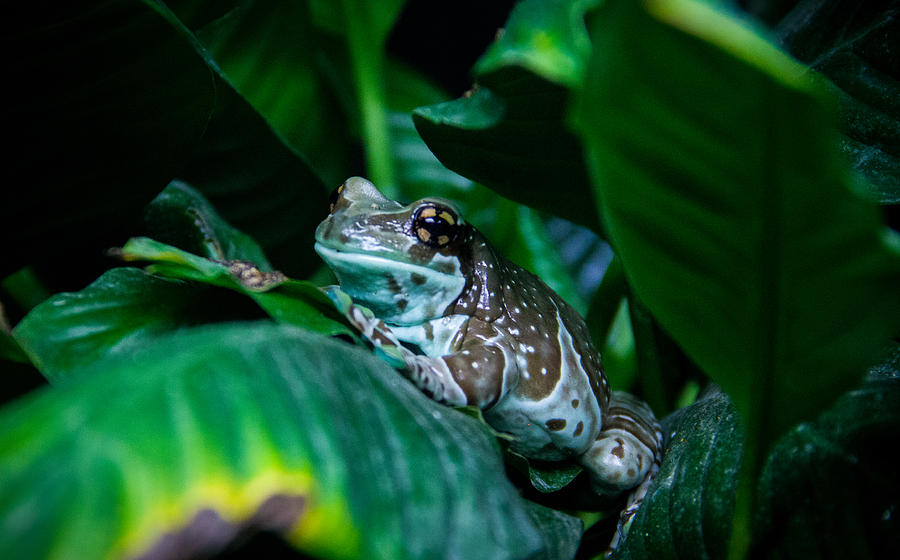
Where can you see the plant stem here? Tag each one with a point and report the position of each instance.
(367, 61)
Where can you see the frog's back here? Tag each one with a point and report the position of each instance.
(555, 393)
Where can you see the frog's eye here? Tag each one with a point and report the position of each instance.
(435, 225)
(334, 197)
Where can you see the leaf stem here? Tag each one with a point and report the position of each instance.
(367, 61)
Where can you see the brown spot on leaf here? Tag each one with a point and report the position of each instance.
(417, 279)
(208, 533)
(575, 403)
(578, 429)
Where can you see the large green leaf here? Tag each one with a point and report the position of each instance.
(831, 485)
(208, 432)
(510, 132)
(722, 188)
(272, 54)
(852, 43)
(687, 512)
(120, 311)
(106, 101)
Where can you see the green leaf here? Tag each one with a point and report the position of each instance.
(561, 532)
(119, 312)
(10, 348)
(181, 216)
(289, 301)
(272, 54)
(130, 98)
(510, 133)
(730, 207)
(246, 427)
(127, 308)
(853, 44)
(688, 509)
(831, 483)
(258, 183)
(547, 38)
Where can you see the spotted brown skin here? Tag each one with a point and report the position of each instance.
(472, 328)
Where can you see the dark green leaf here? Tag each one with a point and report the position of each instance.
(833, 484)
(122, 310)
(745, 242)
(510, 133)
(180, 216)
(561, 532)
(252, 427)
(272, 55)
(511, 136)
(106, 101)
(127, 308)
(545, 478)
(10, 349)
(258, 183)
(854, 44)
(688, 509)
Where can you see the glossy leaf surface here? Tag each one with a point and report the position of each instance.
(687, 512)
(254, 426)
(746, 242)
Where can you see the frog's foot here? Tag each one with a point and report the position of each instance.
(626, 455)
(373, 329)
(431, 375)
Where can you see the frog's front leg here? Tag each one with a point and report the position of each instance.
(626, 454)
(450, 372)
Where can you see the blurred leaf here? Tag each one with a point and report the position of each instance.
(561, 532)
(10, 349)
(180, 216)
(376, 17)
(546, 38)
(271, 53)
(854, 44)
(130, 97)
(258, 183)
(687, 511)
(510, 132)
(829, 483)
(791, 275)
(227, 429)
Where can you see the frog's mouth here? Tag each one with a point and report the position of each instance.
(397, 292)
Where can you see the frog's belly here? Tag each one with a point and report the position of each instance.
(563, 424)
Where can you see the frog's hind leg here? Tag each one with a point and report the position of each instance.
(626, 454)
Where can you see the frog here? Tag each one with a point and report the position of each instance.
(472, 329)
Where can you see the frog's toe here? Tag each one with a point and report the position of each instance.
(617, 461)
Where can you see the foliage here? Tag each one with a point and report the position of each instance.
(208, 390)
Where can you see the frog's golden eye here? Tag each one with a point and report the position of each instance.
(435, 225)
(334, 197)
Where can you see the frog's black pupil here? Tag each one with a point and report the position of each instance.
(432, 229)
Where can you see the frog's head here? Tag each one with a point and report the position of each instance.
(402, 262)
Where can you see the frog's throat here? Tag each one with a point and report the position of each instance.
(397, 292)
